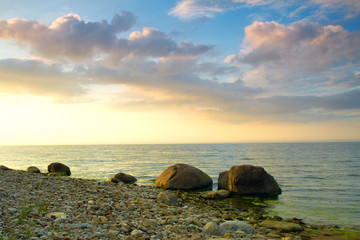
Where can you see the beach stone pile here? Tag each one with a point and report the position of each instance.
(36, 206)
(40, 206)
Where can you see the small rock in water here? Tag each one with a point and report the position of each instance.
(59, 168)
(220, 194)
(33, 169)
(282, 226)
(125, 178)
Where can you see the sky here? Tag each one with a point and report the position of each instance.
(186, 71)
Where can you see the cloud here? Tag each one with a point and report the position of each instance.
(296, 72)
(305, 55)
(351, 5)
(190, 9)
(68, 37)
(22, 77)
(155, 43)
(73, 39)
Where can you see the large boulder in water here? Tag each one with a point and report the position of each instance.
(223, 180)
(59, 168)
(184, 177)
(252, 180)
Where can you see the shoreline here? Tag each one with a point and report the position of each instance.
(92, 209)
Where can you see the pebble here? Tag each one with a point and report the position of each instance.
(36, 206)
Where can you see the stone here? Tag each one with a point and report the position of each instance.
(33, 169)
(59, 167)
(149, 223)
(137, 233)
(220, 194)
(233, 226)
(282, 226)
(56, 215)
(125, 178)
(167, 198)
(2, 167)
(223, 180)
(252, 180)
(114, 180)
(213, 229)
(183, 177)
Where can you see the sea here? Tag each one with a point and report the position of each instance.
(320, 182)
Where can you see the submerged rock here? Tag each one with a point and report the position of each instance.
(220, 194)
(59, 167)
(252, 180)
(184, 177)
(233, 226)
(282, 226)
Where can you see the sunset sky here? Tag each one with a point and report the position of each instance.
(187, 71)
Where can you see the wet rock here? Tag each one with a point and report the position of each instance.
(220, 194)
(125, 178)
(213, 229)
(167, 198)
(184, 177)
(33, 169)
(252, 180)
(223, 180)
(114, 180)
(59, 168)
(233, 226)
(282, 226)
(2, 167)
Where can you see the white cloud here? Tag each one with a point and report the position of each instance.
(73, 39)
(308, 62)
(68, 37)
(188, 9)
(298, 57)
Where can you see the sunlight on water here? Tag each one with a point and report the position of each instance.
(320, 181)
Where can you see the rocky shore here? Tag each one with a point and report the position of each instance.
(37, 206)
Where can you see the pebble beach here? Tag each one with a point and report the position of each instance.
(37, 206)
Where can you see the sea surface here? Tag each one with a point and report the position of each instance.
(320, 182)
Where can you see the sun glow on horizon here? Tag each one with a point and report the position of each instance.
(148, 72)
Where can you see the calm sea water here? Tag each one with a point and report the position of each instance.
(320, 181)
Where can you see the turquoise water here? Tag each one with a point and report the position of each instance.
(320, 181)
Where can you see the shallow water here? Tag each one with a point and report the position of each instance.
(320, 181)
